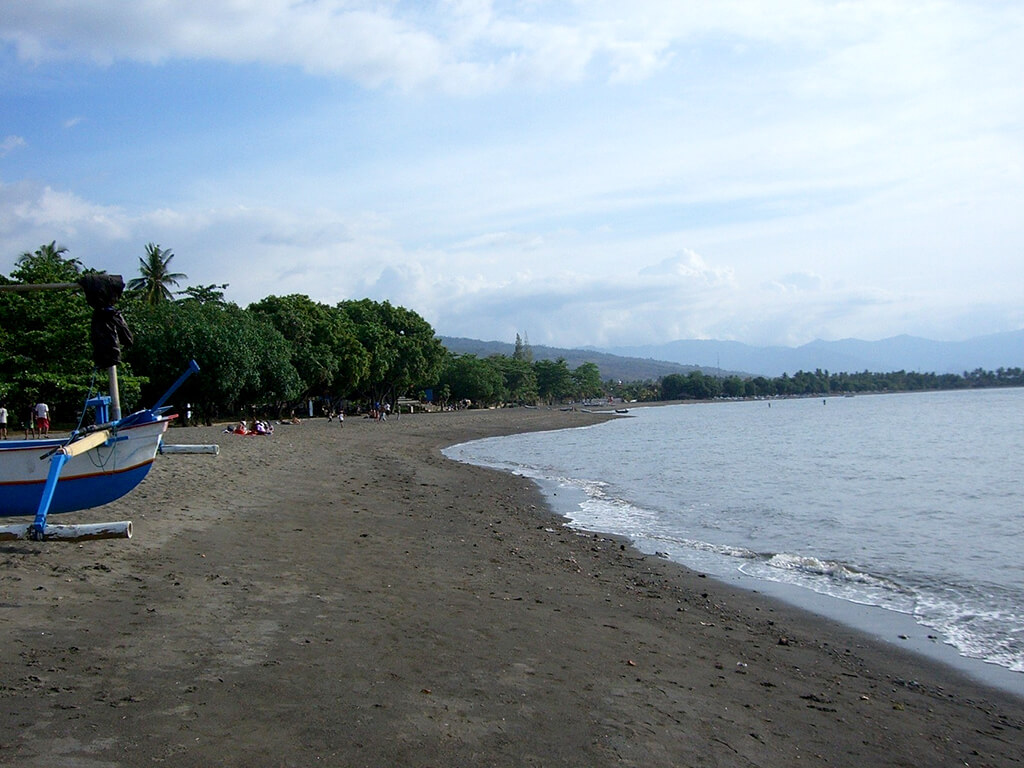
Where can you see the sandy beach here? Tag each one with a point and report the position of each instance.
(349, 597)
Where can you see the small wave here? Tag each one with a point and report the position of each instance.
(835, 579)
(718, 549)
(832, 569)
(988, 626)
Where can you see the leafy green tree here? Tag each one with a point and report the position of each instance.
(404, 355)
(694, 385)
(554, 380)
(807, 383)
(325, 348)
(704, 387)
(520, 379)
(586, 379)
(445, 395)
(469, 377)
(673, 386)
(244, 360)
(155, 275)
(784, 385)
(47, 264)
(205, 294)
(759, 386)
(733, 386)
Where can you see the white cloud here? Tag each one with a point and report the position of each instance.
(688, 267)
(474, 45)
(29, 212)
(798, 282)
(9, 144)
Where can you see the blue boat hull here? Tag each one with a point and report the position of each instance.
(89, 480)
(72, 494)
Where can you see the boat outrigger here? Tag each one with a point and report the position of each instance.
(94, 465)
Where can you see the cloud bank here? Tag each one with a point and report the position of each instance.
(584, 173)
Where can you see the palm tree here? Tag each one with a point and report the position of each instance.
(47, 265)
(155, 277)
(51, 251)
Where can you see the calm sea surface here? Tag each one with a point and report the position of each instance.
(912, 503)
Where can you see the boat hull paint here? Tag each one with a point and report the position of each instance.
(89, 480)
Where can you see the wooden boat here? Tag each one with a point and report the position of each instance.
(95, 465)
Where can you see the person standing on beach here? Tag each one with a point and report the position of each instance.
(29, 422)
(341, 418)
(3, 422)
(42, 419)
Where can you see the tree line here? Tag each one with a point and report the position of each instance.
(283, 351)
(269, 358)
(699, 386)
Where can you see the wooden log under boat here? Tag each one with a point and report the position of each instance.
(213, 450)
(80, 532)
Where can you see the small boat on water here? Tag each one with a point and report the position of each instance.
(94, 465)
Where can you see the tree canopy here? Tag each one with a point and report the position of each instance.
(404, 354)
(243, 358)
(325, 350)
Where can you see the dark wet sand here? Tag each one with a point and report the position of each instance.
(348, 597)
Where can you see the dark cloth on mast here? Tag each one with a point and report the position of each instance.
(109, 331)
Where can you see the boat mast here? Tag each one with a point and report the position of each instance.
(115, 394)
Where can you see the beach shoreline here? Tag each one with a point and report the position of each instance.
(902, 631)
(349, 596)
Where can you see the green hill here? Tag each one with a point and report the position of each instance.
(612, 367)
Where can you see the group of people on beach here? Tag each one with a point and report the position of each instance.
(379, 412)
(36, 423)
(253, 427)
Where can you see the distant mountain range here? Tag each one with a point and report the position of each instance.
(899, 353)
(616, 367)
(907, 353)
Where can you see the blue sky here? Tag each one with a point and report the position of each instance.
(584, 173)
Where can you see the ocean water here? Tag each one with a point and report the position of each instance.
(911, 504)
